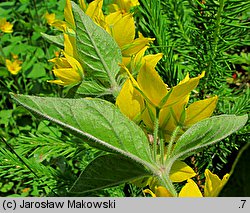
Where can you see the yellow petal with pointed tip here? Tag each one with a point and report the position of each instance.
(200, 110)
(94, 11)
(67, 76)
(185, 79)
(74, 64)
(152, 60)
(213, 184)
(151, 84)
(190, 189)
(69, 15)
(68, 45)
(130, 101)
(180, 171)
(181, 91)
(112, 18)
(58, 82)
(136, 46)
(83, 5)
(123, 30)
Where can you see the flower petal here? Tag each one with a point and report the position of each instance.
(190, 190)
(123, 30)
(130, 101)
(213, 184)
(200, 110)
(161, 191)
(136, 46)
(151, 84)
(69, 15)
(182, 90)
(180, 171)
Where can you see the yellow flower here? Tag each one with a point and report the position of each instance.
(5, 26)
(13, 67)
(68, 70)
(119, 25)
(180, 172)
(94, 11)
(213, 186)
(123, 5)
(150, 92)
(50, 17)
(122, 28)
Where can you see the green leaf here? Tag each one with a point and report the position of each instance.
(37, 71)
(96, 120)
(4, 72)
(107, 171)
(97, 50)
(238, 184)
(91, 88)
(57, 39)
(207, 132)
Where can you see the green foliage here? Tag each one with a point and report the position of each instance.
(196, 36)
(106, 128)
(207, 132)
(96, 120)
(211, 36)
(107, 171)
(97, 51)
(40, 159)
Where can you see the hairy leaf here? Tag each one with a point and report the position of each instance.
(97, 120)
(207, 132)
(106, 171)
(97, 50)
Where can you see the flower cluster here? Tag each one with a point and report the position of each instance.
(148, 98)
(119, 23)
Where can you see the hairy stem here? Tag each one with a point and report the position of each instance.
(156, 130)
(172, 140)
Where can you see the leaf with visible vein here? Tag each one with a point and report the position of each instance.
(97, 50)
(96, 120)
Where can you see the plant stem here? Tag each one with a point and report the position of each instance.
(171, 142)
(166, 181)
(162, 150)
(156, 129)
